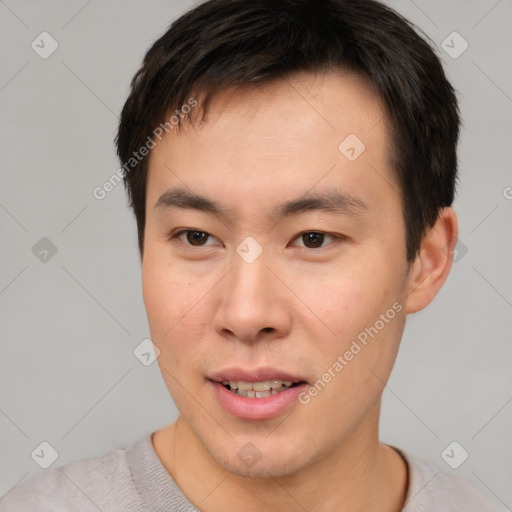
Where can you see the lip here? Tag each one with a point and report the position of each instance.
(246, 408)
(255, 375)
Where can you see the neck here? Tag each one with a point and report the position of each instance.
(360, 474)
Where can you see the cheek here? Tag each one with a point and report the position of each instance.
(361, 310)
(346, 300)
(178, 314)
(170, 293)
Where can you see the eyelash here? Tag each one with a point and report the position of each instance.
(299, 235)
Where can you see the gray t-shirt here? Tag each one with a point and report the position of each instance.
(134, 479)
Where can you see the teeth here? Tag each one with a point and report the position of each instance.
(261, 386)
(257, 389)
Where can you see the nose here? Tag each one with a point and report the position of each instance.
(253, 303)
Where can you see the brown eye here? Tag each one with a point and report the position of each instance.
(196, 237)
(313, 239)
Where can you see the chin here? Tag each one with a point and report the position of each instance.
(263, 469)
(245, 460)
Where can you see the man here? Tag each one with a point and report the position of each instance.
(291, 165)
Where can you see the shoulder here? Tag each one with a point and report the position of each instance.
(78, 486)
(432, 489)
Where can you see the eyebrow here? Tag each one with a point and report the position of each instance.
(330, 200)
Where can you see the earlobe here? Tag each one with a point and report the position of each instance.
(433, 262)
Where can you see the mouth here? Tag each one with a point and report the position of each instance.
(262, 389)
(258, 394)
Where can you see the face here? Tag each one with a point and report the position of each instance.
(274, 271)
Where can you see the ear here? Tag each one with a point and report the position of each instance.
(433, 261)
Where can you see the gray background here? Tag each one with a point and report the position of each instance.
(69, 325)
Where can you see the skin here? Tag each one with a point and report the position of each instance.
(296, 307)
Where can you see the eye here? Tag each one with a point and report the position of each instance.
(193, 237)
(314, 239)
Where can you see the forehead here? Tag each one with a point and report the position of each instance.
(285, 136)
